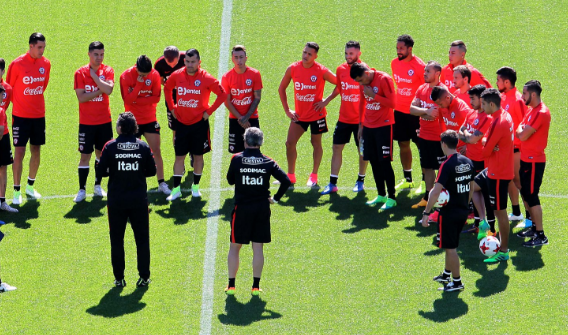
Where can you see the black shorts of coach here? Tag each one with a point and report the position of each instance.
(194, 139)
(6, 157)
(94, 137)
(531, 174)
(344, 131)
(377, 143)
(250, 222)
(405, 126)
(236, 133)
(450, 225)
(28, 129)
(151, 128)
(316, 127)
(431, 154)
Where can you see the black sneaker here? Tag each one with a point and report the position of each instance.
(120, 283)
(530, 233)
(143, 282)
(442, 279)
(452, 286)
(536, 241)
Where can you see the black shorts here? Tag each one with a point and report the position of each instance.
(250, 222)
(316, 127)
(343, 131)
(405, 126)
(94, 136)
(482, 181)
(24, 129)
(172, 121)
(531, 179)
(498, 193)
(431, 154)
(194, 139)
(478, 166)
(236, 133)
(377, 143)
(515, 150)
(450, 224)
(152, 128)
(6, 151)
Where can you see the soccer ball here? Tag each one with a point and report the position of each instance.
(443, 198)
(489, 246)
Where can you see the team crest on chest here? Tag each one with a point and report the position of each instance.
(476, 122)
(313, 78)
(148, 82)
(376, 90)
(248, 82)
(102, 77)
(197, 83)
(411, 72)
(41, 70)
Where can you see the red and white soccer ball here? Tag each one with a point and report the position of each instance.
(489, 246)
(443, 198)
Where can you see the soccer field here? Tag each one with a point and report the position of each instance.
(335, 266)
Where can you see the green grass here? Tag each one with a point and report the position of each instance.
(335, 265)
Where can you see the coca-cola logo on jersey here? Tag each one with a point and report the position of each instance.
(350, 97)
(407, 92)
(399, 79)
(27, 80)
(346, 86)
(191, 103)
(236, 91)
(375, 106)
(306, 97)
(242, 102)
(184, 91)
(34, 91)
(299, 86)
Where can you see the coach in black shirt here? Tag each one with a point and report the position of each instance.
(128, 161)
(250, 172)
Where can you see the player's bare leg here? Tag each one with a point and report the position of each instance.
(154, 143)
(515, 186)
(233, 266)
(257, 265)
(405, 155)
(503, 222)
(362, 166)
(3, 183)
(429, 178)
(318, 152)
(295, 131)
(179, 170)
(35, 154)
(337, 159)
(19, 154)
(453, 262)
(83, 172)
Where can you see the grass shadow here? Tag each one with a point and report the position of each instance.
(239, 314)
(84, 211)
(527, 259)
(447, 308)
(300, 201)
(27, 211)
(182, 211)
(113, 305)
(492, 281)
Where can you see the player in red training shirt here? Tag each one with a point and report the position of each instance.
(5, 149)
(408, 74)
(512, 102)
(193, 87)
(453, 109)
(94, 83)
(456, 56)
(243, 85)
(378, 99)
(140, 88)
(462, 77)
(348, 123)
(533, 133)
(309, 79)
(29, 76)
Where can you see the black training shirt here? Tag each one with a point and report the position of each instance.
(455, 174)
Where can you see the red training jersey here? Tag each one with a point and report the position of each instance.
(350, 94)
(97, 110)
(241, 87)
(514, 104)
(464, 97)
(7, 96)
(29, 78)
(429, 129)
(479, 121)
(408, 76)
(378, 111)
(532, 150)
(454, 116)
(308, 89)
(447, 77)
(499, 162)
(141, 97)
(193, 92)
(4, 120)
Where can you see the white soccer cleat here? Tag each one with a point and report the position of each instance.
(163, 187)
(175, 193)
(513, 217)
(99, 192)
(276, 182)
(30, 191)
(6, 288)
(7, 208)
(81, 195)
(17, 198)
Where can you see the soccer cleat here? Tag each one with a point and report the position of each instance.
(5, 207)
(442, 279)
(452, 286)
(499, 256)
(6, 288)
(390, 203)
(195, 191)
(378, 199)
(30, 191)
(81, 195)
(99, 192)
(473, 229)
(163, 187)
(526, 223)
(483, 229)
(536, 241)
(421, 203)
(513, 217)
(404, 185)
(421, 188)
(256, 291)
(17, 198)
(433, 218)
(359, 186)
(176, 193)
(120, 283)
(330, 188)
(312, 180)
(527, 233)
(230, 290)
(143, 282)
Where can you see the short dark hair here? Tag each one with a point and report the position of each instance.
(435, 64)
(477, 90)
(460, 44)
(407, 39)
(96, 46)
(192, 52)
(314, 46)
(171, 53)
(353, 44)
(239, 47)
(438, 92)
(2, 64)
(144, 64)
(464, 71)
(534, 86)
(492, 95)
(357, 70)
(36, 37)
(127, 123)
(450, 138)
(508, 73)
